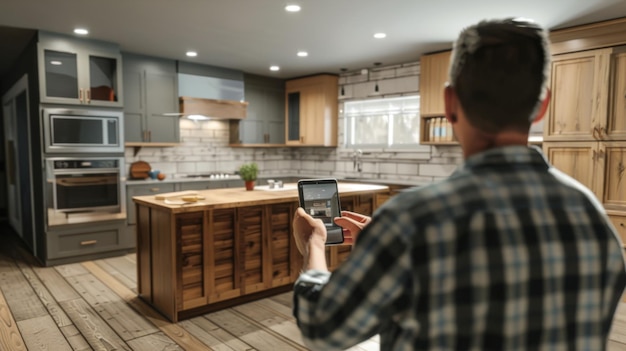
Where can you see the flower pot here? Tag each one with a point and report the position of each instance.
(249, 184)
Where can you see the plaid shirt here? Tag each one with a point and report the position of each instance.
(506, 254)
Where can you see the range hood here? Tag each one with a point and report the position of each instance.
(201, 108)
(207, 92)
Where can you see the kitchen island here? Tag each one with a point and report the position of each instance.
(229, 247)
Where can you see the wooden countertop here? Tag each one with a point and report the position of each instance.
(240, 197)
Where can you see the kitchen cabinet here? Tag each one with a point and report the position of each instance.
(588, 96)
(264, 124)
(79, 72)
(585, 130)
(312, 111)
(142, 190)
(234, 247)
(597, 165)
(434, 128)
(150, 94)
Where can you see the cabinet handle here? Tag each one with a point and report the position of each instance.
(155, 189)
(88, 242)
(80, 95)
(149, 135)
(88, 95)
(302, 139)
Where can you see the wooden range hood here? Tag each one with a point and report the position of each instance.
(213, 109)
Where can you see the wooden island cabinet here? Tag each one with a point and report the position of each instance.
(230, 247)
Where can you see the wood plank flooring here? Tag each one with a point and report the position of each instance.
(93, 306)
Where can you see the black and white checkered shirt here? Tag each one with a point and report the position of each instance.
(506, 254)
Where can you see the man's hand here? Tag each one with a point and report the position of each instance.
(352, 224)
(310, 236)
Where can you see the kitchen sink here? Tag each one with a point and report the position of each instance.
(276, 188)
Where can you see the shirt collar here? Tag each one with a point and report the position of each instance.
(516, 154)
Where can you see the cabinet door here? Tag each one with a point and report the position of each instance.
(251, 131)
(222, 256)
(134, 106)
(254, 249)
(433, 76)
(611, 161)
(160, 99)
(619, 222)
(579, 85)
(615, 128)
(275, 116)
(103, 79)
(58, 74)
(282, 249)
(293, 117)
(575, 159)
(190, 260)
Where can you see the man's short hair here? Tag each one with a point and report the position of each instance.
(499, 70)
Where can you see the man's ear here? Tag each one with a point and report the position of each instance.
(544, 107)
(450, 102)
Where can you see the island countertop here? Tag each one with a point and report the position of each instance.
(237, 197)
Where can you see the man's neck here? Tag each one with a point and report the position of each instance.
(482, 142)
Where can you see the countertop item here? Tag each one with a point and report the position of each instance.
(140, 170)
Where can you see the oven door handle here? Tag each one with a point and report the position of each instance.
(81, 182)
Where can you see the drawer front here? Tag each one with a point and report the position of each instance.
(620, 224)
(83, 243)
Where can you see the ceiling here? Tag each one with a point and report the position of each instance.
(251, 35)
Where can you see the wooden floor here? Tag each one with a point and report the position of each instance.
(93, 306)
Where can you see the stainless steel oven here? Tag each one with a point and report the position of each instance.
(85, 189)
(83, 131)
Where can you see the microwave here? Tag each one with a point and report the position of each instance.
(82, 131)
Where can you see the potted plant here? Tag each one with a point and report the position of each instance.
(248, 172)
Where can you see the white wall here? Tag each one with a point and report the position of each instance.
(204, 145)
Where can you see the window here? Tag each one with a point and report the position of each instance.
(382, 123)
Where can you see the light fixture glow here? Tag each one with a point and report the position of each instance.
(292, 8)
(380, 35)
(191, 53)
(274, 68)
(197, 117)
(303, 53)
(56, 63)
(81, 31)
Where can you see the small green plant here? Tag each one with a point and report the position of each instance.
(248, 171)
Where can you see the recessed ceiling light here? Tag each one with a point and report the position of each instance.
(292, 8)
(81, 31)
(56, 63)
(191, 53)
(303, 53)
(380, 35)
(274, 68)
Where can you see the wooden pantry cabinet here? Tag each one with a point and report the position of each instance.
(585, 130)
(312, 111)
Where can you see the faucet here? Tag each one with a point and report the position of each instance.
(356, 160)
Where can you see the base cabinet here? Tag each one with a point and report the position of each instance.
(194, 262)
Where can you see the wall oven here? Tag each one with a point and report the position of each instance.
(85, 189)
(82, 131)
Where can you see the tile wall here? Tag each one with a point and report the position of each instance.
(204, 145)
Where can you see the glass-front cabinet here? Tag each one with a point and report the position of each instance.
(79, 72)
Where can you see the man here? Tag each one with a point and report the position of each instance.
(508, 253)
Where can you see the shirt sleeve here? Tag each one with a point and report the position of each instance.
(339, 310)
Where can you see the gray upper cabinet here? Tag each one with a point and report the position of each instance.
(78, 71)
(150, 93)
(265, 120)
